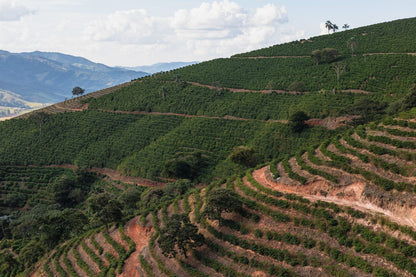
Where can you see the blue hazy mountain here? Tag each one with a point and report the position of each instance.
(158, 67)
(49, 77)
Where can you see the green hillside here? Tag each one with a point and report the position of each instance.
(329, 196)
(391, 37)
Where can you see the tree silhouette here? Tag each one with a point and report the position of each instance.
(181, 233)
(78, 91)
(346, 26)
(106, 208)
(334, 27)
(328, 25)
(219, 201)
(297, 121)
(243, 155)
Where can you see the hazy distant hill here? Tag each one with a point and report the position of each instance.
(158, 67)
(50, 77)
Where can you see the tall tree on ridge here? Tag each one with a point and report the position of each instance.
(328, 25)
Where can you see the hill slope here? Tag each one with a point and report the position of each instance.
(320, 202)
(50, 77)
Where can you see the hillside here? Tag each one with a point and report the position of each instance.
(317, 156)
(49, 77)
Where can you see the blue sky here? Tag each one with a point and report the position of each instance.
(135, 32)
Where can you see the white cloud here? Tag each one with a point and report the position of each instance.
(12, 10)
(132, 26)
(132, 37)
(270, 14)
(211, 20)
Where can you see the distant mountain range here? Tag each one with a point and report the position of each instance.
(49, 77)
(158, 67)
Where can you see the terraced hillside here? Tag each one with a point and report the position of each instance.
(321, 202)
(344, 208)
(95, 253)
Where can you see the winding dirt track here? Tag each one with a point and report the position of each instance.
(141, 236)
(360, 91)
(116, 175)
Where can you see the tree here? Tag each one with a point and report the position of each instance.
(334, 27)
(62, 189)
(39, 118)
(326, 55)
(345, 26)
(317, 56)
(297, 121)
(339, 69)
(180, 234)
(130, 197)
(352, 43)
(329, 55)
(185, 165)
(219, 201)
(78, 91)
(328, 25)
(150, 199)
(243, 155)
(106, 208)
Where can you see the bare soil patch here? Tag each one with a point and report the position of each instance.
(351, 195)
(331, 122)
(141, 236)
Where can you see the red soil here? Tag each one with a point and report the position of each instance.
(141, 236)
(347, 196)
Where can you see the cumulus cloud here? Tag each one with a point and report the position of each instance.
(130, 26)
(12, 10)
(211, 20)
(213, 29)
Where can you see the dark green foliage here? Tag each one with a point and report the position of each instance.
(66, 192)
(326, 55)
(243, 155)
(297, 121)
(184, 165)
(131, 196)
(180, 233)
(219, 201)
(77, 91)
(105, 208)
